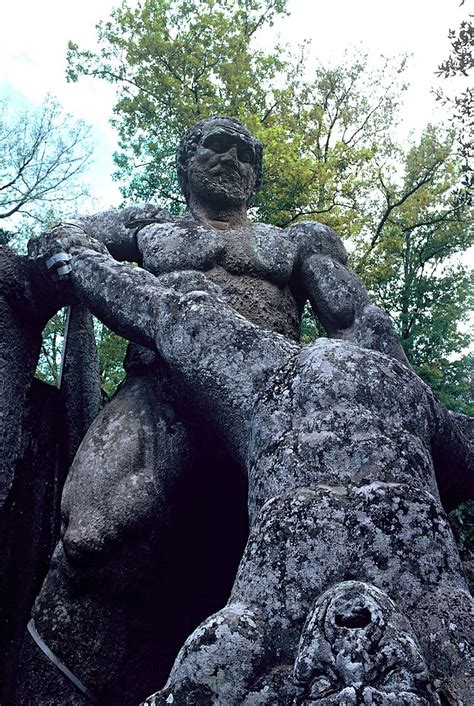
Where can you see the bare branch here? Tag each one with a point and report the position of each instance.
(40, 156)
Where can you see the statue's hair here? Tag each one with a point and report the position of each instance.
(191, 139)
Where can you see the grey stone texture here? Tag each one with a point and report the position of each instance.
(340, 446)
(350, 588)
(40, 432)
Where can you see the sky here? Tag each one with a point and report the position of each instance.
(35, 35)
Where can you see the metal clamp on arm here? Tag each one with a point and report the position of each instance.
(59, 264)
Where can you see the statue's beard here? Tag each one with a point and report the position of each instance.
(225, 186)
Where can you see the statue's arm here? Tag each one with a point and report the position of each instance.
(117, 228)
(120, 295)
(337, 295)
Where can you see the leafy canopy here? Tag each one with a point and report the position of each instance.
(177, 62)
(412, 262)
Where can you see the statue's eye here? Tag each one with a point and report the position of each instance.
(215, 145)
(245, 155)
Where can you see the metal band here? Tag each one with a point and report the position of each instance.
(59, 257)
(62, 667)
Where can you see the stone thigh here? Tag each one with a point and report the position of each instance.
(116, 604)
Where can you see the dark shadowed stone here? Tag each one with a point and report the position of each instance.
(30, 522)
(40, 432)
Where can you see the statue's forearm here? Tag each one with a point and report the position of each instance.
(341, 303)
(373, 329)
(109, 228)
(121, 296)
(337, 295)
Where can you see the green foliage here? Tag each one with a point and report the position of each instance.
(412, 262)
(460, 62)
(176, 63)
(111, 349)
(5, 236)
(320, 143)
(310, 329)
(49, 363)
(452, 381)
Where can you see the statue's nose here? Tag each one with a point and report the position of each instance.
(231, 154)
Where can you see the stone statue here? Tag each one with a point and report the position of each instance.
(350, 583)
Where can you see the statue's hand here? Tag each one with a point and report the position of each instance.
(55, 249)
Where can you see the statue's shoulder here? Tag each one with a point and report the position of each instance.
(120, 220)
(274, 247)
(313, 238)
(174, 227)
(271, 234)
(142, 214)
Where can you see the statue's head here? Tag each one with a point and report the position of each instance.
(220, 161)
(357, 648)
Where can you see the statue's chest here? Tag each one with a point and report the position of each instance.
(258, 250)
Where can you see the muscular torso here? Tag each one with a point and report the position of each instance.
(263, 272)
(252, 265)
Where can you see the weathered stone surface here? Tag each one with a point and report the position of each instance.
(39, 433)
(333, 414)
(80, 383)
(99, 606)
(350, 575)
(310, 541)
(25, 308)
(30, 520)
(25, 305)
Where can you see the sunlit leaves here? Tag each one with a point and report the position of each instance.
(414, 266)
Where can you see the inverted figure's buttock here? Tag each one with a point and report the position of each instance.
(339, 414)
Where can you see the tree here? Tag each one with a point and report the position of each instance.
(41, 156)
(110, 347)
(321, 139)
(329, 154)
(460, 63)
(411, 262)
(175, 63)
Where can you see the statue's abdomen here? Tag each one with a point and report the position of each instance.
(262, 302)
